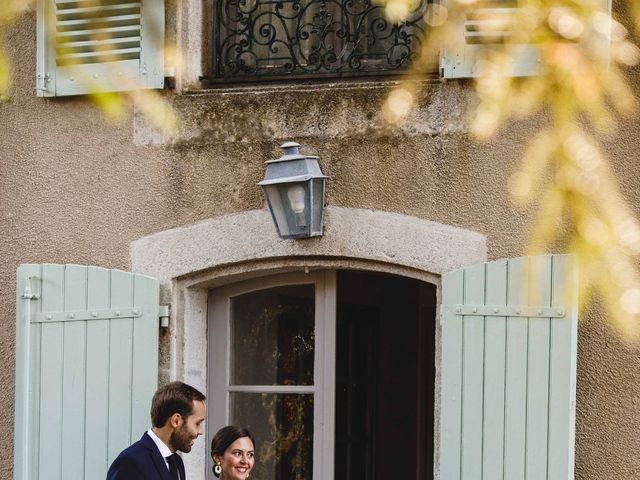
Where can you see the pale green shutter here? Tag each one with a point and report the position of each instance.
(481, 27)
(86, 46)
(86, 368)
(509, 370)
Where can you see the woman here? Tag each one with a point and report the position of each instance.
(233, 452)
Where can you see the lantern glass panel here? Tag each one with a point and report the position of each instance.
(290, 206)
(317, 205)
(277, 209)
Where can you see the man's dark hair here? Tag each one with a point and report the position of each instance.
(174, 397)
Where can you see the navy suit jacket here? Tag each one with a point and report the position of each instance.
(142, 461)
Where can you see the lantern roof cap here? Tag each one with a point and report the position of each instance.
(291, 152)
(292, 179)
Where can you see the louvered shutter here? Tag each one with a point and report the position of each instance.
(509, 370)
(482, 27)
(86, 368)
(87, 46)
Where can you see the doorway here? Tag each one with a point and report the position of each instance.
(333, 372)
(385, 374)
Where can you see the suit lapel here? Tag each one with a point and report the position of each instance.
(156, 458)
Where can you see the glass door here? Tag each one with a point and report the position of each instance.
(271, 369)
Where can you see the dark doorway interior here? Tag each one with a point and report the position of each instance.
(385, 375)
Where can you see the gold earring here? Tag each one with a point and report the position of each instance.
(217, 469)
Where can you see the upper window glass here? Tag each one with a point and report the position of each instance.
(272, 333)
(267, 38)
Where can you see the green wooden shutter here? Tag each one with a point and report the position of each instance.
(509, 370)
(86, 46)
(478, 29)
(86, 368)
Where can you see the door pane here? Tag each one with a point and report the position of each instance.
(272, 336)
(282, 425)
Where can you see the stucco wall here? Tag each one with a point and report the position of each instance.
(77, 188)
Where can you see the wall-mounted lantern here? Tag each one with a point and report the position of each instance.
(293, 188)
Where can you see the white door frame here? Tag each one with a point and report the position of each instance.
(324, 363)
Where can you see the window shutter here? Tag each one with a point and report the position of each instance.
(478, 29)
(86, 368)
(87, 46)
(509, 370)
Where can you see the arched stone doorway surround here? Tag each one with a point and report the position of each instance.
(189, 261)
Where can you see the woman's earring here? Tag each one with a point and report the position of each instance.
(217, 469)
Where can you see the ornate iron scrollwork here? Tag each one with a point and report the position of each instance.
(298, 37)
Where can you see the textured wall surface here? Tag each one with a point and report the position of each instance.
(77, 188)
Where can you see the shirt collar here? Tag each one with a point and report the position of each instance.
(164, 450)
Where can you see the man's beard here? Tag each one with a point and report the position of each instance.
(181, 440)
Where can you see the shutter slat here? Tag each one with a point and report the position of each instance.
(66, 4)
(563, 367)
(99, 57)
(516, 374)
(91, 45)
(99, 11)
(77, 407)
(51, 373)
(27, 367)
(494, 376)
(120, 364)
(145, 350)
(451, 403)
(74, 374)
(98, 296)
(115, 52)
(538, 370)
(98, 34)
(100, 23)
(472, 376)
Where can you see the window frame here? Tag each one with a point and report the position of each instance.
(323, 389)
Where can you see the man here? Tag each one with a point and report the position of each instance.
(177, 413)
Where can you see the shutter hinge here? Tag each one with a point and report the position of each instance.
(28, 293)
(85, 315)
(508, 311)
(43, 79)
(164, 313)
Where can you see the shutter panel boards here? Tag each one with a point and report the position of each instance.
(86, 368)
(482, 27)
(478, 29)
(508, 370)
(87, 46)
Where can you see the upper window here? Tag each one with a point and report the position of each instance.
(266, 38)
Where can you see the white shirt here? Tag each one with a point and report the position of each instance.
(164, 450)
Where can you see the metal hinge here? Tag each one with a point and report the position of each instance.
(43, 79)
(508, 311)
(28, 294)
(94, 314)
(164, 313)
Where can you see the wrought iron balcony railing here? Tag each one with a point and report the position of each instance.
(273, 38)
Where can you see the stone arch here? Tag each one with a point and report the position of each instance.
(249, 238)
(191, 260)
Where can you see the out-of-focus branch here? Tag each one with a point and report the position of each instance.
(580, 91)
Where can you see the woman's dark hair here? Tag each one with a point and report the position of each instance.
(225, 437)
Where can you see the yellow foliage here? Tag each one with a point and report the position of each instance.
(563, 172)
